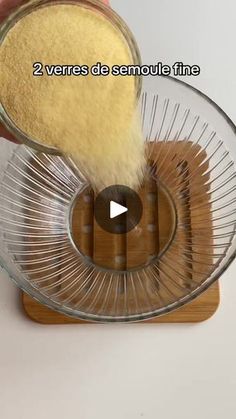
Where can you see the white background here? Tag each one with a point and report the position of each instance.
(135, 371)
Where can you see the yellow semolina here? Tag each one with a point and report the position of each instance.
(92, 119)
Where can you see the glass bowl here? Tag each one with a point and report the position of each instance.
(188, 236)
(33, 5)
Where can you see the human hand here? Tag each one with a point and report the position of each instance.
(5, 8)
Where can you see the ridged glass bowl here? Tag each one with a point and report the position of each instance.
(191, 145)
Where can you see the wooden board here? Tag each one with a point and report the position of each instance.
(201, 309)
(125, 251)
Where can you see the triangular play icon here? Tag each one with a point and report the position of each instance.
(116, 209)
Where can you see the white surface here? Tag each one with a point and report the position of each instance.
(135, 371)
(116, 209)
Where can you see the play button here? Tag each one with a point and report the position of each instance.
(118, 209)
